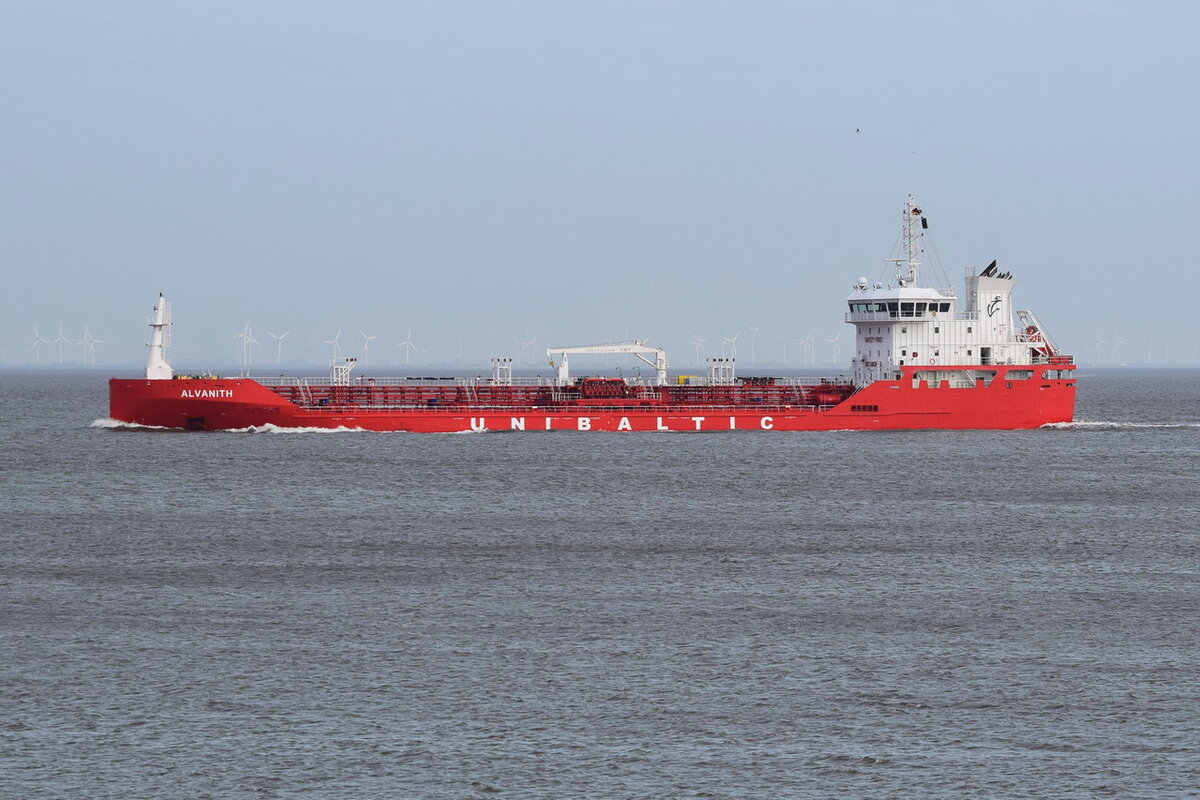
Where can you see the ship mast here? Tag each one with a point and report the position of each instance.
(157, 367)
(908, 269)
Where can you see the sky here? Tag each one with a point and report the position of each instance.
(492, 174)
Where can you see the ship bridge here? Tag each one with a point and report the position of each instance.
(880, 304)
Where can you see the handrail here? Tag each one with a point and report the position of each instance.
(577, 410)
(646, 389)
(888, 316)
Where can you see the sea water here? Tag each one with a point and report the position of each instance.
(574, 615)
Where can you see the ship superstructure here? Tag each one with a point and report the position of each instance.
(921, 361)
(906, 324)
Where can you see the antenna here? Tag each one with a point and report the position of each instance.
(908, 269)
(366, 348)
(278, 344)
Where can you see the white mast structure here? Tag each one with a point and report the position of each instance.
(157, 368)
(912, 245)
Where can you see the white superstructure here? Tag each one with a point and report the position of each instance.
(157, 367)
(903, 323)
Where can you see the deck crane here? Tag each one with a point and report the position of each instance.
(635, 347)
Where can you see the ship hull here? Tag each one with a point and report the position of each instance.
(908, 404)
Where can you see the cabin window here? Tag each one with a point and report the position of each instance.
(904, 330)
(968, 329)
(936, 329)
(944, 307)
(906, 309)
(903, 352)
(893, 308)
(920, 309)
(968, 352)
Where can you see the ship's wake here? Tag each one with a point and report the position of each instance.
(1105, 425)
(108, 423)
(270, 428)
(117, 425)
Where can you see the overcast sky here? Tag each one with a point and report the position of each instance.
(488, 173)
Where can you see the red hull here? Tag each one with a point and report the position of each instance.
(233, 403)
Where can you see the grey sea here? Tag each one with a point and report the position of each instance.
(574, 615)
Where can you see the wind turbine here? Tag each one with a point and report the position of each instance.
(38, 341)
(278, 344)
(810, 348)
(1117, 348)
(1098, 347)
(731, 341)
(59, 341)
(83, 344)
(248, 341)
(698, 342)
(408, 346)
(366, 348)
(335, 341)
(837, 348)
(753, 336)
(528, 348)
(89, 346)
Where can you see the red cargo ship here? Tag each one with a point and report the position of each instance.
(920, 362)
